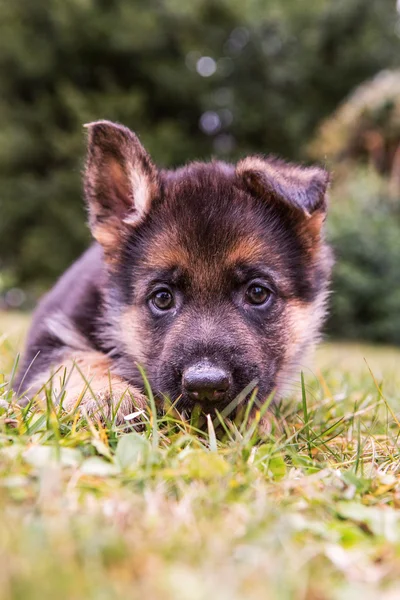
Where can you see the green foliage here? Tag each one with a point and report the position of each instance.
(279, 68)
(364, 227)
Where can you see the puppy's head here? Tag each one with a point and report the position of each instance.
(217, 274)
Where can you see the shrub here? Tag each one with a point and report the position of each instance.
(364, 227)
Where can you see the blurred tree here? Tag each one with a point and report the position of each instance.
(366, 128)
(222, 77)
(364, 226)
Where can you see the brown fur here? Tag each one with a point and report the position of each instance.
(205, 237)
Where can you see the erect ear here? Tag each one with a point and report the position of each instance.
(120, 182)
(301, 189)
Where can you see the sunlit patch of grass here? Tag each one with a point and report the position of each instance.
(308, 510)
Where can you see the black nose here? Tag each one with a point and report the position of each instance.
(206, 382)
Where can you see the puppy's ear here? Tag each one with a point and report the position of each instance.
(120, 182)
(300, 189)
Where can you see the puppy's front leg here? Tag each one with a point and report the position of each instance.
(86, 377)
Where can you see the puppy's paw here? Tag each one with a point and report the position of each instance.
(109, 400)
(87, 383)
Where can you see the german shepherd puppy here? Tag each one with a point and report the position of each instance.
(209, 277)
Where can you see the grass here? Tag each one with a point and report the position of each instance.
(310, 511)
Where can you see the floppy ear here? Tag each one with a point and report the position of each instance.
(301, 189)
(120, 182)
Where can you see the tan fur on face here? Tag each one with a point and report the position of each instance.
(247, 250)
(166, 252)
(132, 333)
(252, 250)
(85, 380)
(303, 322)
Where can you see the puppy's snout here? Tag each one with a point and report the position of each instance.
(206, 382)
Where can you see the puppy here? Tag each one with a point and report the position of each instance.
(209, 277)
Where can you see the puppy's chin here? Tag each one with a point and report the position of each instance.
(185, 404)
(206, 407)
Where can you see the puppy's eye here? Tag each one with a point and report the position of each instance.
(162, 299)
(257, 294)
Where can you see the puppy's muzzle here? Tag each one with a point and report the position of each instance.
(205, 382)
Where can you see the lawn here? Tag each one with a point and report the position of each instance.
(311, 511)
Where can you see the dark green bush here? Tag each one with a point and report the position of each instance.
(364, 229)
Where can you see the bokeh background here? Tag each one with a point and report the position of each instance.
(310, 80)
